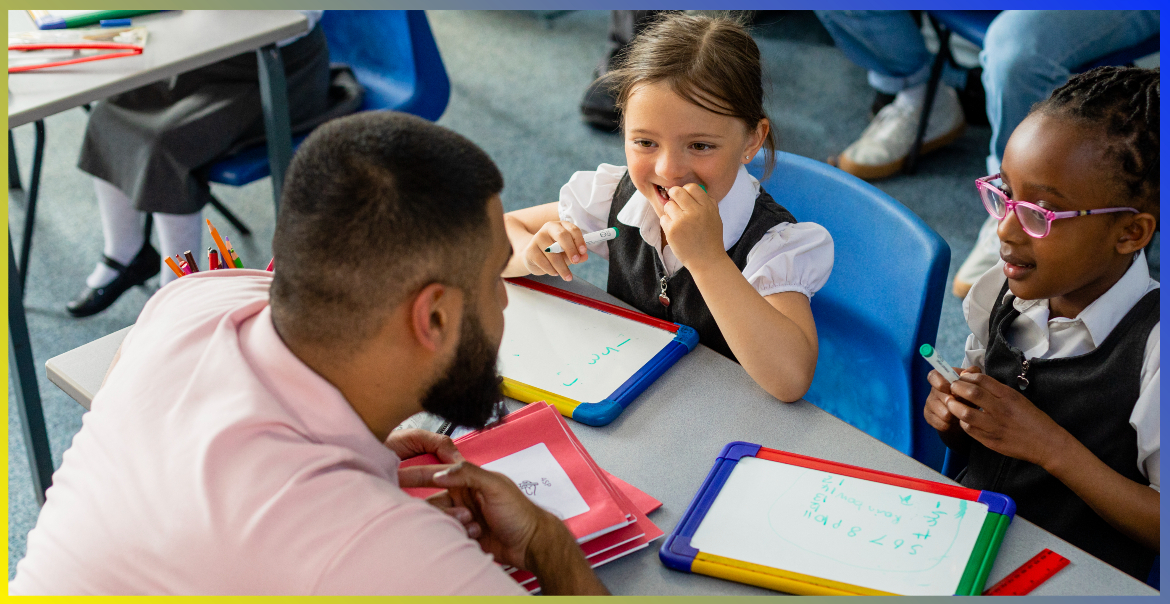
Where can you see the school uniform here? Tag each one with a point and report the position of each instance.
(774, 252)
(152, 142)
(1097, 375)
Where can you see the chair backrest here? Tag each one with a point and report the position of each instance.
(888, 279)
(394, 55)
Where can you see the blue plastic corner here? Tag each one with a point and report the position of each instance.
(687, 336)
(598, 414)
(998, 503)
(737, 450)
(676, 552)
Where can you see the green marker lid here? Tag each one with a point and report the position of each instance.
(703, 188)
(926, 350)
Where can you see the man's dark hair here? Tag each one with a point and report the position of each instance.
(1124, 103)
(376, 206)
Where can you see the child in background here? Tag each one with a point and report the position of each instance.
(708, 247)
(1058, 408)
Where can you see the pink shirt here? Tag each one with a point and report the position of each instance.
(216, 462)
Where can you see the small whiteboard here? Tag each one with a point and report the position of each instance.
(804, 525)
(588, 358)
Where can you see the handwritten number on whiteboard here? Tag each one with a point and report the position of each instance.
(595, 359)
(878, 540)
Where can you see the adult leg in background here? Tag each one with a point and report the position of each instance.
(889, 44)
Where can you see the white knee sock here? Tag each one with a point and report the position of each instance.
(178, 233)
(121, 228)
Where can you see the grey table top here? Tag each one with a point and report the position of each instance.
(667, 440)
(178, 41)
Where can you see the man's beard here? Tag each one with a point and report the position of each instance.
(468, 393)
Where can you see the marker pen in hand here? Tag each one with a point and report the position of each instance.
(602, 235)
(931, 355)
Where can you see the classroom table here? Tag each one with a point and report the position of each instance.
(667, 441)
(178, 41)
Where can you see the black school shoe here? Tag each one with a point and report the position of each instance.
(96, 299)
(599, 107)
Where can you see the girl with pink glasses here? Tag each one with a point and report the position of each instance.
(1059, 405)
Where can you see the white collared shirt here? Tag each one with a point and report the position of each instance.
(1039, 337)
(789, 257)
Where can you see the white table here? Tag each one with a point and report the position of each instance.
(178, 41)
(667, 441)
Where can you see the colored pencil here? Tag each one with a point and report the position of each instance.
(174, 267)
(223, 250)
(234, 259)
(191, 261)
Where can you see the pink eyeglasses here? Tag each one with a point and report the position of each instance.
(1035, 220)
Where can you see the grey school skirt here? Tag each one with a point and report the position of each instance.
(154, 143)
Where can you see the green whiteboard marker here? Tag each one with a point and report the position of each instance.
(931, 355)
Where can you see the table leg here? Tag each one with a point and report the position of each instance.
(30, 205)
(22, 373)
(277, 124)
(13, 169)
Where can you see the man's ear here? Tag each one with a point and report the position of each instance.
(435, 316)
(1137, 233)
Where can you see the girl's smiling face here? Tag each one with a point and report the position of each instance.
(671, 142)
(1060, 164)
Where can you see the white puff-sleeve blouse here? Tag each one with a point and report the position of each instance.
(789, 257)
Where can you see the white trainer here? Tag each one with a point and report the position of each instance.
(882, 148)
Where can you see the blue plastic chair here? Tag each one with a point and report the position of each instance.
(972, 25)
(882, 301)
(395, 58)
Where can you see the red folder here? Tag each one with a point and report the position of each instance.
(534, 427)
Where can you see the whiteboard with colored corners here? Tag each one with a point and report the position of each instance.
(572, 350)
(845, 529)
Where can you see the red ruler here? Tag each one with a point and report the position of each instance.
(1029, 576)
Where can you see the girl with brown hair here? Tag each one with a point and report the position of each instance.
(703, 244)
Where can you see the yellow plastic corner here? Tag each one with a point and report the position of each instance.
(529, 394)
(773, 578)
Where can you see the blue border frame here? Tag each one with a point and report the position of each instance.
(605, 411)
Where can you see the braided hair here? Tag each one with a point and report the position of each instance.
(1124, 102)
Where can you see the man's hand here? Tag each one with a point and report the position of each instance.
(412, 442)
(504, 521)
(692, 225)
(508, 526)
(1004, 420)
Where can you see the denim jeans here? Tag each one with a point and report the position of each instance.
(1026, 54)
